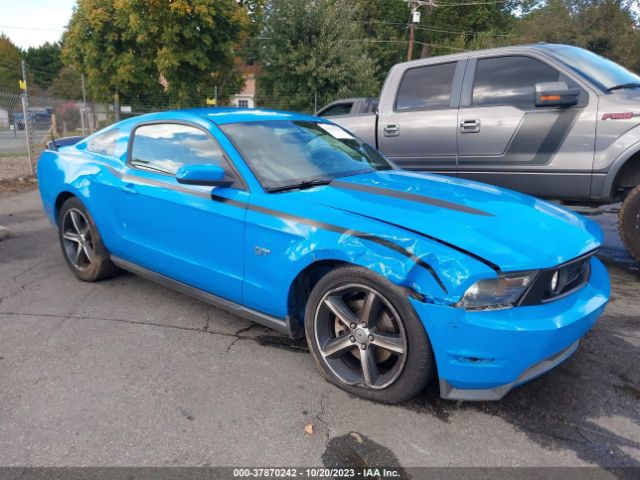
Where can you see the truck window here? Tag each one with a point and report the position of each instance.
(426, 88)
(339, 109)
(510, 80)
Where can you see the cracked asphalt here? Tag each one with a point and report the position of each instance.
(128, 373)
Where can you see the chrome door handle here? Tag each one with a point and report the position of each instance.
(470, 126)
(391, 130)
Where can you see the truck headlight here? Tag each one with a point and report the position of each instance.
(493, 293)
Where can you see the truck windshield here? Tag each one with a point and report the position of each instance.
(285, 154)
(598, 70)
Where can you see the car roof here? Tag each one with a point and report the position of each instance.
(220, 115)
(226, 115)
(515, 49)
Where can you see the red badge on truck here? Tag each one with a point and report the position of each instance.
(617, 116)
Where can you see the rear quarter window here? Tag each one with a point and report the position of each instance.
(104, 143)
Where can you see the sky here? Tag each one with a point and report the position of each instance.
(29, 23)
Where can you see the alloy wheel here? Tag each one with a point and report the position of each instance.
(360, 336)
(77, 239)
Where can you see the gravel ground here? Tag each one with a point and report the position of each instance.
(12, 168)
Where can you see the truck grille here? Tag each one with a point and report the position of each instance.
(557, 282)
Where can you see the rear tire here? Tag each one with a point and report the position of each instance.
(81, 243)
(366, 338)
(629, 223)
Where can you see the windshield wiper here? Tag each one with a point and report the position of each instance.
(299, 186)
(624, 85)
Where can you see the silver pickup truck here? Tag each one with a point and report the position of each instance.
(554, 121)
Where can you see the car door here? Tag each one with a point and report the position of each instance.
(179, 230)
(418, 131)
(504, 139)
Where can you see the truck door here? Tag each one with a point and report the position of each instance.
(418, 122)
(505, 140)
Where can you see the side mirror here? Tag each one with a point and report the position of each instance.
(207, 174)
(555, 94)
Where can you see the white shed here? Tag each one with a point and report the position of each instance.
(4, 118)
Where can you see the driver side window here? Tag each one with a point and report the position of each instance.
(510, 81)
(165, 147)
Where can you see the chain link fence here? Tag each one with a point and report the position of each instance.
(30, 118)
(28, 122)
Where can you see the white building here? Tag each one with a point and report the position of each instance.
(246, 98)
(4, 118)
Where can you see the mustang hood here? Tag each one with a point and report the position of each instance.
(507, 229)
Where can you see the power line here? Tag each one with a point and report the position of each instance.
(468, 3)
(10, 27)
(462, 32)
(369, 40)
(438, 29)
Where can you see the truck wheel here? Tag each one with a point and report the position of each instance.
(629, 223)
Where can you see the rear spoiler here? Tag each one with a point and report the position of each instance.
(63, 142)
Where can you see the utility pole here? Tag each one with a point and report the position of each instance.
(83, 112)
(116, 105)
(25, 117)
(414, 18)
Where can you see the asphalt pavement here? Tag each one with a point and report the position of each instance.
(126, 372)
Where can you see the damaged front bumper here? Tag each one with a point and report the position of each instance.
(482, 355)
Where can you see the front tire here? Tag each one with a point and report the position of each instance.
(366, 338)
(81, 243)
(629, 223)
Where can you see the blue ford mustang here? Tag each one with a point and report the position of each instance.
(394, 277)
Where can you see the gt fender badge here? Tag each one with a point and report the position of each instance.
(263, 252)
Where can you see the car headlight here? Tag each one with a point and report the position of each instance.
(501, 292)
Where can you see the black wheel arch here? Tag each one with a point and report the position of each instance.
(626, 178)
(302, 285)
(60, 199)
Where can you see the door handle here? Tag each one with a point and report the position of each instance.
(470, 126)
(128, 188)
(391, 130)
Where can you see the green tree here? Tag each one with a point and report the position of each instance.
(313, 51)
(10, 72)
(384, 25)
(67, 84)
(154, 52)
(255, 11)
(588, 24)
(43, 64)
(452, 26)
(457, 25)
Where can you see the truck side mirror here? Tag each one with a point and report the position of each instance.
(555, 94)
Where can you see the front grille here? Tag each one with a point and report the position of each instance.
(570, 277)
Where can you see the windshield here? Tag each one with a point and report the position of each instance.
(600, 71)
(284, 153)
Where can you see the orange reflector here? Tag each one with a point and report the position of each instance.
(550, 98)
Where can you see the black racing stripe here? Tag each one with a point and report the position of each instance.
(287, 216)
(341, 230)
(412, 197)
(536, 140)
(488, 263)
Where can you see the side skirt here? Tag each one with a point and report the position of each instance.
(282, 325)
